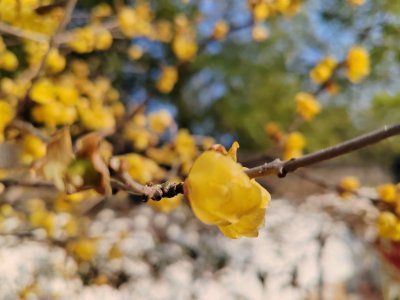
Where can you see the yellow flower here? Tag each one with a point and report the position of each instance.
(160, 121)
(221, 28)
(43, 91)
(259, 33)
(221, 194)
(323, 70)
(357, 2)
(388, 226)
(307, 106)
(55, 61)
(83, 40)
(348, 185)
(184, 47)
(273, 130)
(103, 40)
(185, 144)
(357, 64)
(167, 80)
(33, 148)
(142, 169)
(387, 192)
(127, 21)
(135, 52)
(84, 249)
(294, 145)
(8, 61)
(261, 11)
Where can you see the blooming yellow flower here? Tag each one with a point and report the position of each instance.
(357, 63)
(83, 40)
(33, 148)
(348, 185)
(135, 52)
(8, 61)
(184, 47)
(167, 80)
(103, 40)
(43, 91)
(160, 121)
(273, 130)
(221, 194)
(323, 70)
(84, 249)
(294, 145)
(221, 28)
(261, 11)
(307, 106)
(55, 61)
(388, 226)
(387, 192)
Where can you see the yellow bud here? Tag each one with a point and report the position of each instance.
(307, 106)
(184, 47)
(127, 21)
(167, 80)
(357, 63)
(160, 121)
(8, 61)
(55, 61)
(221, 28)
(261, 11)
(103, 40)
(387, 192)
(135, 52)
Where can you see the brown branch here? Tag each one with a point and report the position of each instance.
(24, 34)
(281, 168)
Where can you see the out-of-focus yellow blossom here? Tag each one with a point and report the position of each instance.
(166, 205)
(259, 33)
(100, 11)
(127, 21)
(348, 185)
(160, 121)
(387, 192)
(163, 155)
(357, 63)
(83, 40)
(333, 88)
(163, 31)
(307, 106)
(55, 61)
(261, 11)
(388, 226)
(323, 70)
(54, 113)
(96, 116)
(71, 227)
(141, 138)
(43, 91)
(135, 52)
(167, 80)
(207, 142)
(7, 113)
(67, 94)
(43, 218)
(185, 144)
(184, 47)
(84, 249)
(221, 28)
(8, 61)
(142, 169)
(294, 145)
(220, 193)
(16, 88)
(273, 130)
(103, 40)
(357, 2)
(80, 68)
(115, 252)
(33, 148)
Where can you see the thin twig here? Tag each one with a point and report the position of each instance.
(281, 168)
(21, 33)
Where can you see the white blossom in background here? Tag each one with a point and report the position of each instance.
(174, 257)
